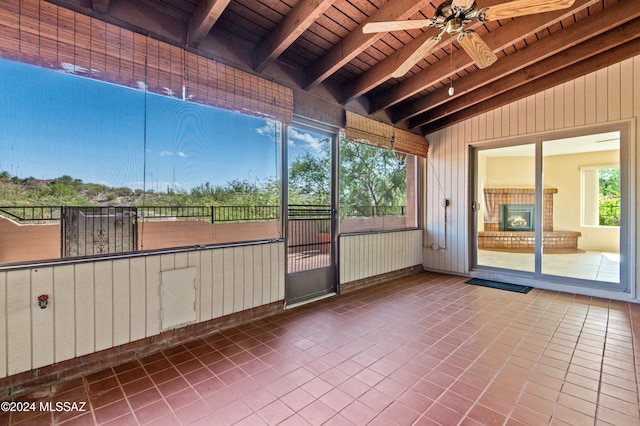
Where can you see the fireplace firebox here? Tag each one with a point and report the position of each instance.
(517, 217)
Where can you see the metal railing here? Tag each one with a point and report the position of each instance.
(212, 214)
(31, 214)
(149, 213)
(245, 213)
(372, 211)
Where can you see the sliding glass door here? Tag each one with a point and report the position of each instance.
(553, 209)
(582, 177)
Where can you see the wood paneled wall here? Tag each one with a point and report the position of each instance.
(603, 97)
(368, 255)
(103, 304)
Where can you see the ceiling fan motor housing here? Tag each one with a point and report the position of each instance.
(452, 19)
(454, 25)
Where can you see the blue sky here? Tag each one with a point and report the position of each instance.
(54, 124)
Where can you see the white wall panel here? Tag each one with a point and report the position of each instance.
(63, 302)
(613, 92)
(228, 282)
(137, 297)
(605, 96)
(238, 279)
(205, 285)
(121, 302)
(217, 283)
(579, 99)
(98, 305)
(247, 253)
(104, 283)
(84, 307)
(569, 104)
(18, 300)
(626, 86)
(152, 290)
(267, 264)
(258, 284)
(41, 319)
(367, 255)
(277, 273)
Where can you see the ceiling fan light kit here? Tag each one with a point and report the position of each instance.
(452, 16)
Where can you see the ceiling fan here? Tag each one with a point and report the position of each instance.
(452, 16)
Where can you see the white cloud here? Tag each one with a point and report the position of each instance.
(268, 130)
(312, 142)
(171, 154)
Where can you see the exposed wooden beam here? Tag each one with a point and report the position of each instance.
(548, 46)
(382, 71)
(356, 41)
(594, 63)
(204, 18)
(303, 14)
(498, 39)
(101, 6)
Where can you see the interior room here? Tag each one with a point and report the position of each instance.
(347, 212)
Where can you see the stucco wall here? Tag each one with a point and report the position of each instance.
(19, 243)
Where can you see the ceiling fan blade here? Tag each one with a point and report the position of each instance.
(417, 54)
(477, 49)
(462, 4)
(379, 27)
(522, 7)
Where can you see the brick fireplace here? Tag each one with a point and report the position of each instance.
(509, 221)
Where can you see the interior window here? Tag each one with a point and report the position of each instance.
(600, 196)
(377, 188)
(91, 168)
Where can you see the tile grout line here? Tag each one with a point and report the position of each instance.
(488, 322)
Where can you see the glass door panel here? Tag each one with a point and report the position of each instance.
(310, 215)
(505, 207)
(581, 234)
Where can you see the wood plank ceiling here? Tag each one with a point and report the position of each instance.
(319, 45)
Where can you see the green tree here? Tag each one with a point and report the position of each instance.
(371, 176)
(309, 178)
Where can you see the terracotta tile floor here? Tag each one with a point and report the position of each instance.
(426, 349)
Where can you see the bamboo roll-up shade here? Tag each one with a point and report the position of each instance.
(363, 129)
(46, 35)
(214, 83)
(410, 143)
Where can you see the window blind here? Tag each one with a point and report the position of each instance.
(366, 130)
(50, 36)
